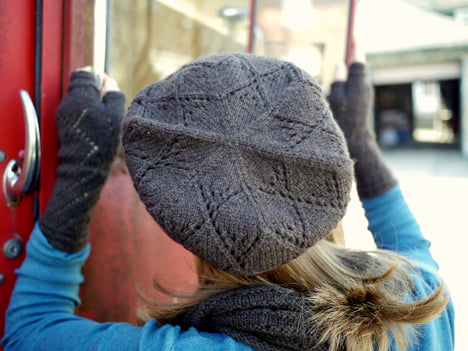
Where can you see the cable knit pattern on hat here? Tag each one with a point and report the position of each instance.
(239, 159)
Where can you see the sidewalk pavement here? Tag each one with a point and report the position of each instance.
(435, 184)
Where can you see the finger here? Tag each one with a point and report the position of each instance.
(357, 54)
(99, 80)
(109, 84)
(86, 69)
(341, 72)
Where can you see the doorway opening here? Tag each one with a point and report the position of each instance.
(418, 113)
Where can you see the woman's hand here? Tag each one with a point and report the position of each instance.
(351, 99)
(88, 129)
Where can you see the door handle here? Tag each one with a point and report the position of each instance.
(22, 174)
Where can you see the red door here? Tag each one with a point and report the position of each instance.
(28, 32)
(16, 73)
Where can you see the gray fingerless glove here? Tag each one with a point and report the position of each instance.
(350, 102)
(88, 131)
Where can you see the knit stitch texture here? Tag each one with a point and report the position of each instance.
(239, 159)
(351, 103)
(267, 318)
(88, 130)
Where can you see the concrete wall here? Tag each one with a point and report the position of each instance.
(150, 39)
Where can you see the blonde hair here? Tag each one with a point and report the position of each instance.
(356, 297)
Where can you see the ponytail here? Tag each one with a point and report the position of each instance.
(356, 299)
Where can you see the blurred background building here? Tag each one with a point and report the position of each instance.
(149, 39)
(417, 51)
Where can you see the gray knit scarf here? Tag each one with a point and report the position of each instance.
(263, 317)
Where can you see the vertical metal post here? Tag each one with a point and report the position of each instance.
(464, 106)
(106, 58)
(350, 33)
(253, 13)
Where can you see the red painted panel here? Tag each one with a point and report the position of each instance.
(52, 43)
(16, 72)
(128, 251)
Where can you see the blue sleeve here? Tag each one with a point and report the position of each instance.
(41, 312)
(394, 227)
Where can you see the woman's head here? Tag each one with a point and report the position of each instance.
(238, 158)
(346, 299)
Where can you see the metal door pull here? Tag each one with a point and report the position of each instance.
(21, 175)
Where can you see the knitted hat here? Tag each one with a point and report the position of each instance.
(239, 159)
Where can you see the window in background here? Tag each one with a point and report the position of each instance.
(149, 39)
(312, 34)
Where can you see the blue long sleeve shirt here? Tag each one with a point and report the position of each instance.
(394, 228)
(41, 311)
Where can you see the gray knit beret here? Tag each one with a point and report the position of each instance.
(239, 159)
